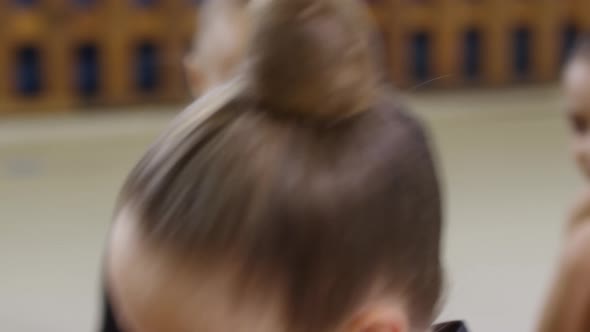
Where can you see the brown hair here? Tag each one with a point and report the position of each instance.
(328, 188)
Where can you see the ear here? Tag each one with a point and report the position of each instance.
(381, 318)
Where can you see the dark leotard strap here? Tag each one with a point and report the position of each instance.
(450, 327)
(109, 324)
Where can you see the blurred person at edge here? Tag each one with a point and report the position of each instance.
(568, 307)
(219, 44)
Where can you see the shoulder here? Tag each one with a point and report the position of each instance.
(580, 211)
(576, 254)
(567, 305)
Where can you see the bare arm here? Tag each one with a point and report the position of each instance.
(568, 306)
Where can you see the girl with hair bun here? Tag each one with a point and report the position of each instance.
(298, 196)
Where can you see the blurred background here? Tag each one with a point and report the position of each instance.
(85, 85)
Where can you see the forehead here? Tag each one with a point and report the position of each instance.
(153, 291)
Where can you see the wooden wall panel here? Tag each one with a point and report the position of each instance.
(4, 61)
(32, 28)
(447, 21)
(116, 27)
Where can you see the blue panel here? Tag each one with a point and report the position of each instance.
(421, 56)
(569, 39)
(25, 3)
(146, 67)
(28, 71)
(521, 52)
(472, 54)
(88, 70)
(145, 3)
(84, 3)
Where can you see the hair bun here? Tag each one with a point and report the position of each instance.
(311, 58)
